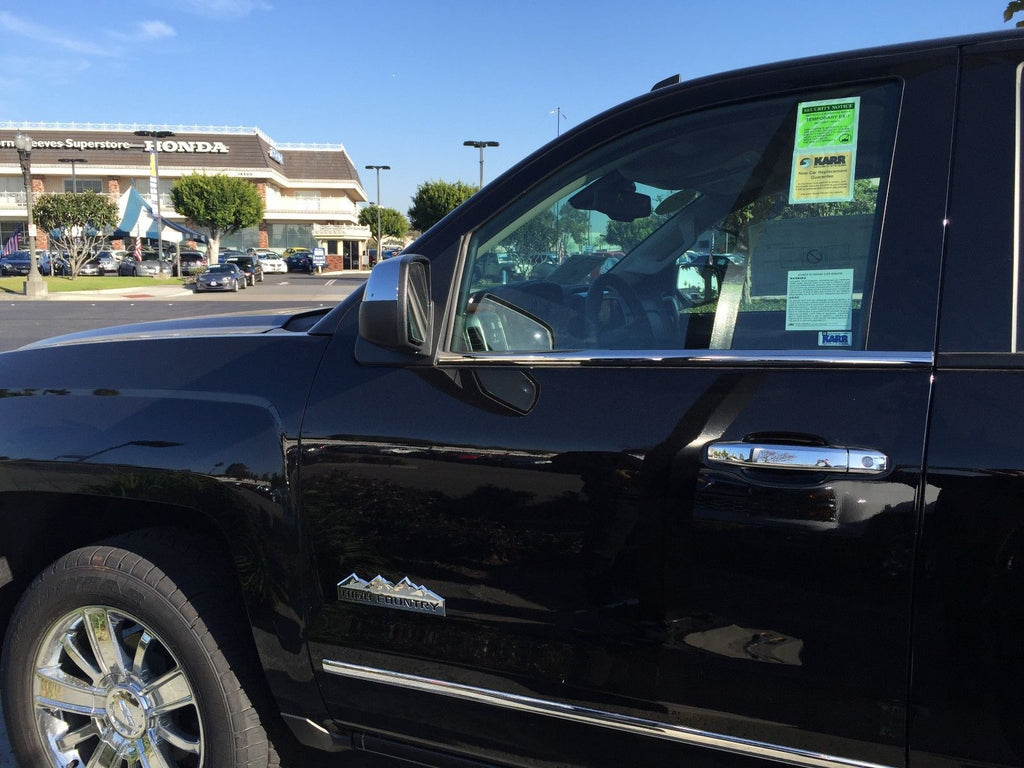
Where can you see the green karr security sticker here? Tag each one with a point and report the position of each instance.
(825, 151)
(827, 123)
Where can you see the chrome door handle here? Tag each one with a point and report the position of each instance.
(854, 461)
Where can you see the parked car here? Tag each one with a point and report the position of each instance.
(151, 265)
(15, 263)
(299, 261)
(192, 262)
(220, 277)
(272, 263)
(53, 263)
(91, 268)
(250, 267)
(108, 263)
(454, 521)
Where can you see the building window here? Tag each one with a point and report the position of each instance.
(289, 235)
(84, 185)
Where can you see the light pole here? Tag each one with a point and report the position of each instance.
(74, 161)
(154, 189)
(378, 169)
(480, 145)
(34, 285)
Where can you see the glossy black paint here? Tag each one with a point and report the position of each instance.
(590, 556)
(589, 553)
(968, 697)
(113, 435)
(590, 559)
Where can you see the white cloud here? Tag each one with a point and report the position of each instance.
(231, 9)
(54, 72)
(48, 36)
(155, 30)
(144, 31)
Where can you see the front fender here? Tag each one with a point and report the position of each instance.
(194, 432)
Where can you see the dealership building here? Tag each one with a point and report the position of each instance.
(311, 192)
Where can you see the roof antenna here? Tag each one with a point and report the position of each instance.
(673, 80)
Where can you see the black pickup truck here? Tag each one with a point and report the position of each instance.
(679, 507)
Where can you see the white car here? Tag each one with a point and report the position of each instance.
(272, 263)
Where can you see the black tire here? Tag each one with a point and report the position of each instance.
(151, 617)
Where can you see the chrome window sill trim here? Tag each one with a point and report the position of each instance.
(702, 356)
(614, 721)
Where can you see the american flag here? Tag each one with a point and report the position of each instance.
(138, 249)
(13, 242)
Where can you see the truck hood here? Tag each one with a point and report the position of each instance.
(282, 320)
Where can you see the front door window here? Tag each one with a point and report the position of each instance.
(750, 226)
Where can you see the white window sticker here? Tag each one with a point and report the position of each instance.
(819, 298)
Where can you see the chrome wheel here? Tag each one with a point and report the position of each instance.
(108, 692)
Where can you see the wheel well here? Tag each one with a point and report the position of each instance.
(38, 528)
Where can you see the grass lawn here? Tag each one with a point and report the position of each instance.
(56, 284)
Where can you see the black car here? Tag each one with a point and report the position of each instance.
(191, 263)
(250, 267)
(771, 515)
(299, 261)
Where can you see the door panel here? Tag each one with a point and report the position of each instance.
(612, 568)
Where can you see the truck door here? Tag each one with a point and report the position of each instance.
(654, 496)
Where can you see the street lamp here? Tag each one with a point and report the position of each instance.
(154, 189)
(74, 161)
(480, 145)
(378, 169)
(34, 285)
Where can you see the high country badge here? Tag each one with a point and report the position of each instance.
(403, 596)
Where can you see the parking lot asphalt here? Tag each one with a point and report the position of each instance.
(296, 282)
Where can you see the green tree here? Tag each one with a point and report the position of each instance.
(574, 224)
(1013, 8)
(528, 245)
(392, 222)
(436, 199)
(75, 223)
(219, 204)
(628, 234)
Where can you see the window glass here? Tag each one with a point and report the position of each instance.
(750, 226)
(83, 185)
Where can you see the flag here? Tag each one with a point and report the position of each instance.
(13, 242)
(138, 249)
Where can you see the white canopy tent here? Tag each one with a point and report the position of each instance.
(137, 220)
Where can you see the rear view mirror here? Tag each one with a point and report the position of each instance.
(614, 196)
(396, 312)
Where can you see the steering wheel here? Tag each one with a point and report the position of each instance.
(635, 324)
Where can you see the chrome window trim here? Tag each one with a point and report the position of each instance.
(599, 718)
(691, 356)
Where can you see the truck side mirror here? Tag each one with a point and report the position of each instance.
(396, 312)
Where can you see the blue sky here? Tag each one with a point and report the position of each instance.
(405, 82)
